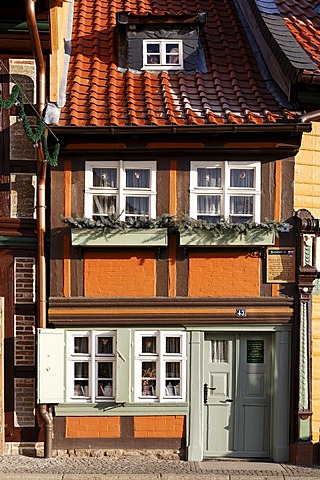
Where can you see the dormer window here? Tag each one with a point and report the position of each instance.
(162, 54)
(161, 42)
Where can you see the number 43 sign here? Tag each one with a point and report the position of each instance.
(241, 312)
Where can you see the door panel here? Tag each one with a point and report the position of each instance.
(237, 369)
(254, 398)
(219, 351)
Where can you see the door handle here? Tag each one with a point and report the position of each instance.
(205, 392)
(230, 400)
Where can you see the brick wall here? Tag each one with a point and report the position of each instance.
(164, 426)
(223, 274)
(24, 336)
(119, 274)
(24, 280)
(93, 427)
(24, 402)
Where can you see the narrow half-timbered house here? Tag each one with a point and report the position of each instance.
(174, 249)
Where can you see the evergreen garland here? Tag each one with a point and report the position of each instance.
(174, 224)
(34, 136)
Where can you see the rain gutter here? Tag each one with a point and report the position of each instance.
(300, 127)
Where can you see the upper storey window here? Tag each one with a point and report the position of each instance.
(162, 54)
(127, 189)
(229, 190)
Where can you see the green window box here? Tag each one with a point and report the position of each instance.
(87, 237)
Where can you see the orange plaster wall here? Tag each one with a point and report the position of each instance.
(163, 426)
(93, 427)
(224, 274)
(119, 274)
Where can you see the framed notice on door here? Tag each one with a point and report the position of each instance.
(281, 265)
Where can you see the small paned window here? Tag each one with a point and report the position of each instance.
(225, 190)
(162, 54)
(127, 189)
(160, 366)
(91, 366)
(219, 351)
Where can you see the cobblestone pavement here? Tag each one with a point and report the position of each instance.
(152, 468)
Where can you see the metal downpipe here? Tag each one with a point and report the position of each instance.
(41, 205)
(310, 116)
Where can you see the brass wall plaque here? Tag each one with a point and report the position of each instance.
(281, 265)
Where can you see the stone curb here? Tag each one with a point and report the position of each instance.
(146, 476)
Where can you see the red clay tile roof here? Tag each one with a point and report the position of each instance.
(303, 20)
(98, 94)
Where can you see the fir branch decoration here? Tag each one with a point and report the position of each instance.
(34, 135)
(174, 224)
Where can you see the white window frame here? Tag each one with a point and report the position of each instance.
(226, 191)
(121, 191)
(161, 395)
(163, 64)
(92, 358)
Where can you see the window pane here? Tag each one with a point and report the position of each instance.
(105, 369)
(172, 53)
(81, 369)
(219, 351)
(173, 345)
(208, 206)
(153, 54)
(137, 206)
(81, 388)
(153, 48)
(138, 178)
(105, 177)
(149, 345)
(81, 382)
(81, 345)
(105, 345)
(242, 178)
(173, 375)
(209, 177)
(104, 204)
(105, 388)
(173, 369)
(22, 195)
(148, 373)
(241, 205)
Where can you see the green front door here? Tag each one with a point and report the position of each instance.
(237, 374)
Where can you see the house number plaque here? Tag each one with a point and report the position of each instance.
(281, 265)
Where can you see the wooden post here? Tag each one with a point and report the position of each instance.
(2, 428)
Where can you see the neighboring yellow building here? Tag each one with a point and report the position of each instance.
(307, 195)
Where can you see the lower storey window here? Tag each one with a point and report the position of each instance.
(160, 366)
(91, 366)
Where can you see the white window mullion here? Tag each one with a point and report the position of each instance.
(93, 370)
(122, 186)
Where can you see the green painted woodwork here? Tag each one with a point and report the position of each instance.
(123, 365)
(10, 241)
(205, 238)
(304, 429)
(122, 409)
(87, 237)
(22, 26)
